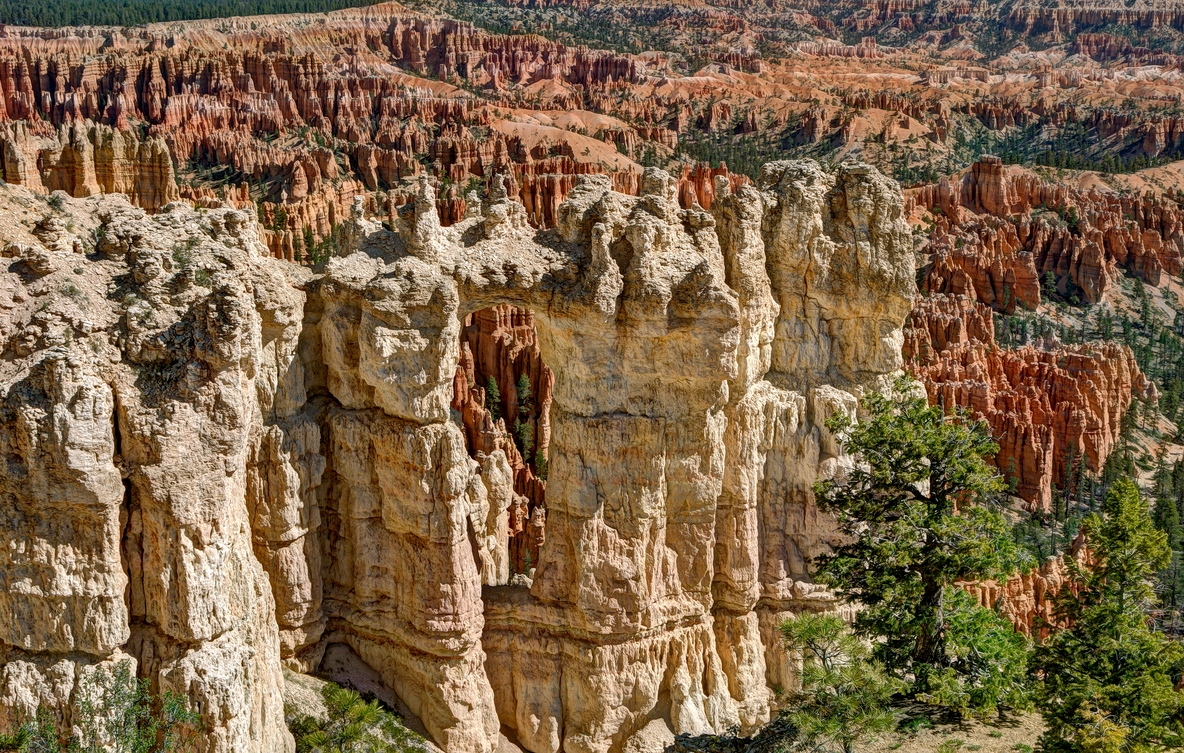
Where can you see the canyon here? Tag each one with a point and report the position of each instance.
(294, 116)
(468, 351)
(1001, 232)
(1047, 408)
(220, 463)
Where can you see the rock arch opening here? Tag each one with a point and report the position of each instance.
(502, 391)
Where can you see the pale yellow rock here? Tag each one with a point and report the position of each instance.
(87, 159)
(128, 426)
(274, 456)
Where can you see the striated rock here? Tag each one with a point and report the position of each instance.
(1042, 405)
(132, 415)
(86, 159)
(268, 461)
(1002, 231)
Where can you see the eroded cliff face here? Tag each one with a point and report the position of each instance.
(220, 463)
(87, 159)
(144, 357)
(1001, 231)
(1046, 406)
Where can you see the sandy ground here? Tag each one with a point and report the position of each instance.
(1015, 734)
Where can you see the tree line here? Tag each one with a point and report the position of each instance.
(136, 12)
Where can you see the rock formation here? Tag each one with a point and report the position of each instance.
(1000, 232)
(220, 463)
(139, 394)
(1043, 406)
(1028, 599)
(85, 159)
(502, 344)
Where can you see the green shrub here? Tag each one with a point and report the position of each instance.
(844, 695)
(115, 713)
(351, 725)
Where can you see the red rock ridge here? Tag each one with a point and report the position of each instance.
(1028, 599)
(1039, 403)
(999, 232)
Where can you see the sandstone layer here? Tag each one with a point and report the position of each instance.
(1001, 233)
(146, 360)
(220, 463)
(1045, 407)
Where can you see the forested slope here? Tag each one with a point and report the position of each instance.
(133, 12)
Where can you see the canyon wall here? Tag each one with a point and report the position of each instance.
(1045, 405)
(137, 388)
(1001, 232)
(301, 113)
(219, 463)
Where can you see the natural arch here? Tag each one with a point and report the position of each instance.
(502, 391)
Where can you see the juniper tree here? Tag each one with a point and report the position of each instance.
(917, 514)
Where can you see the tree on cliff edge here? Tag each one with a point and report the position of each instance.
(916, 515)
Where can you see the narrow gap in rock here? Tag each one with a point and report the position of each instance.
(502, 391)
(130, 529)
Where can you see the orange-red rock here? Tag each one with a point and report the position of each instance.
(1001, 231)
(501, 343)
(1041, 404)
(1028, 599)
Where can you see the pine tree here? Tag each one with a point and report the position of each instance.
(1108, 676)
(844, 695)
(524, 392)
(493, 399)
(351, 725)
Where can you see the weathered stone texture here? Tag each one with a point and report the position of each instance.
(1044, 405)
(137, 385)
(267, 461)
